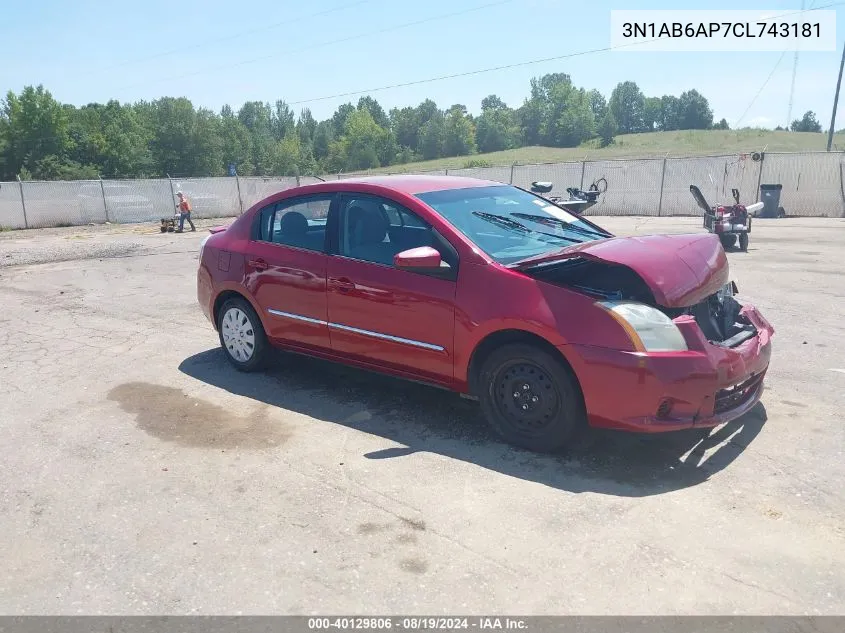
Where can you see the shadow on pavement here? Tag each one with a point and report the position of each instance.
(425, 419)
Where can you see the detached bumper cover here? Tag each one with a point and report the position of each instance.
(654, 392)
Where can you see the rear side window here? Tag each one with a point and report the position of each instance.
(298, 222)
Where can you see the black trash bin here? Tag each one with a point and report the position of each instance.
(770, 197)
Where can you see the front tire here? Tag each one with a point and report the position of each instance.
(530, 398)
(242, 336)
(743, 241)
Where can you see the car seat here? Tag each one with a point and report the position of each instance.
(293, 230)
(367, 227)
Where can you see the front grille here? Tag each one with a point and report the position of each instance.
(739, 394)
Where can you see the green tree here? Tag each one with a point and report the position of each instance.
(340, 116)
(607, 129)
(807, 123)
(627, 104)
(598, 104)
(433, 137)
(36, 128)
(235, 142)
(530, 118)
(670, 114)
(205, 152)
(283, 121)
(173, 136)
(306, 126)
(323, 138)
(695, 112)
(291, 157)
(376, 111)
(123, 142)
(569, 119)
(651, 113)
(459, 133)
(721, 125)
(426, 111)
(363, 141)
(257, 117)
(496, 128)
(405, 126)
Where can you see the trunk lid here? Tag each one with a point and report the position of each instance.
(680, 270)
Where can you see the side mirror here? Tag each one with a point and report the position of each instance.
(421, 258)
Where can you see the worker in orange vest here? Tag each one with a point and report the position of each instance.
(184, 207)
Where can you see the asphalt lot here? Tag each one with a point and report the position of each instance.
(142, 475)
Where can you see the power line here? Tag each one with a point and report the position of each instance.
(505, 66)
(327, 43)
(765, 83)
(520, 64)
(452, 76)
(468, 73)
(234, 36)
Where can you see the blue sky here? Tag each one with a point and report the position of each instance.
(89, 50)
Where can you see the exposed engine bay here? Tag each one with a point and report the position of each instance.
(718, 315)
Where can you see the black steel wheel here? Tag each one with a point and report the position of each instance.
(530, 398)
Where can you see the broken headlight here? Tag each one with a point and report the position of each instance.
(649, 329)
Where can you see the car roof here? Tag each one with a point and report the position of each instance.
(414, 184)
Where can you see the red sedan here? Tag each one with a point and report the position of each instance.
(482, 288)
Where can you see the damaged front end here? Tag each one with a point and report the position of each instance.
(719, 315)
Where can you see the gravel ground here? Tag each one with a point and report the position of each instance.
(143, 475)
(39, 246)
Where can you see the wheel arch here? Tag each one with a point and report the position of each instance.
(496, 339)
(230, 293)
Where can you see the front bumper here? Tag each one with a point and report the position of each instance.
(668, 391)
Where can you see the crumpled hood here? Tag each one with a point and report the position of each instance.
(681, 270)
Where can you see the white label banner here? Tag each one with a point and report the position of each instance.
(722, 30)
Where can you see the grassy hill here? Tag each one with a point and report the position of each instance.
(683, 143)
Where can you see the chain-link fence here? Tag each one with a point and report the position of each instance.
(812, 185)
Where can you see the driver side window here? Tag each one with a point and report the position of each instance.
(375, 230)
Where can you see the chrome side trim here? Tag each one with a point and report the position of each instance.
(348, 328)
(387, 337)
(297, 317)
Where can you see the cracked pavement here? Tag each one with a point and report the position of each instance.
(143, 475)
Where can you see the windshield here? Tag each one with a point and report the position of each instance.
(510, 224)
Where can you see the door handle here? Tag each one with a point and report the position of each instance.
(258, 264)
(343, 284)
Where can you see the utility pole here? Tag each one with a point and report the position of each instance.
(835, 101)
(794, 73)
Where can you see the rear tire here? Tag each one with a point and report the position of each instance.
(242, 336)
(530, 398)
(743, 241)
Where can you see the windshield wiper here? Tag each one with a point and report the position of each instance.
(518, 226)
(541, 219)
